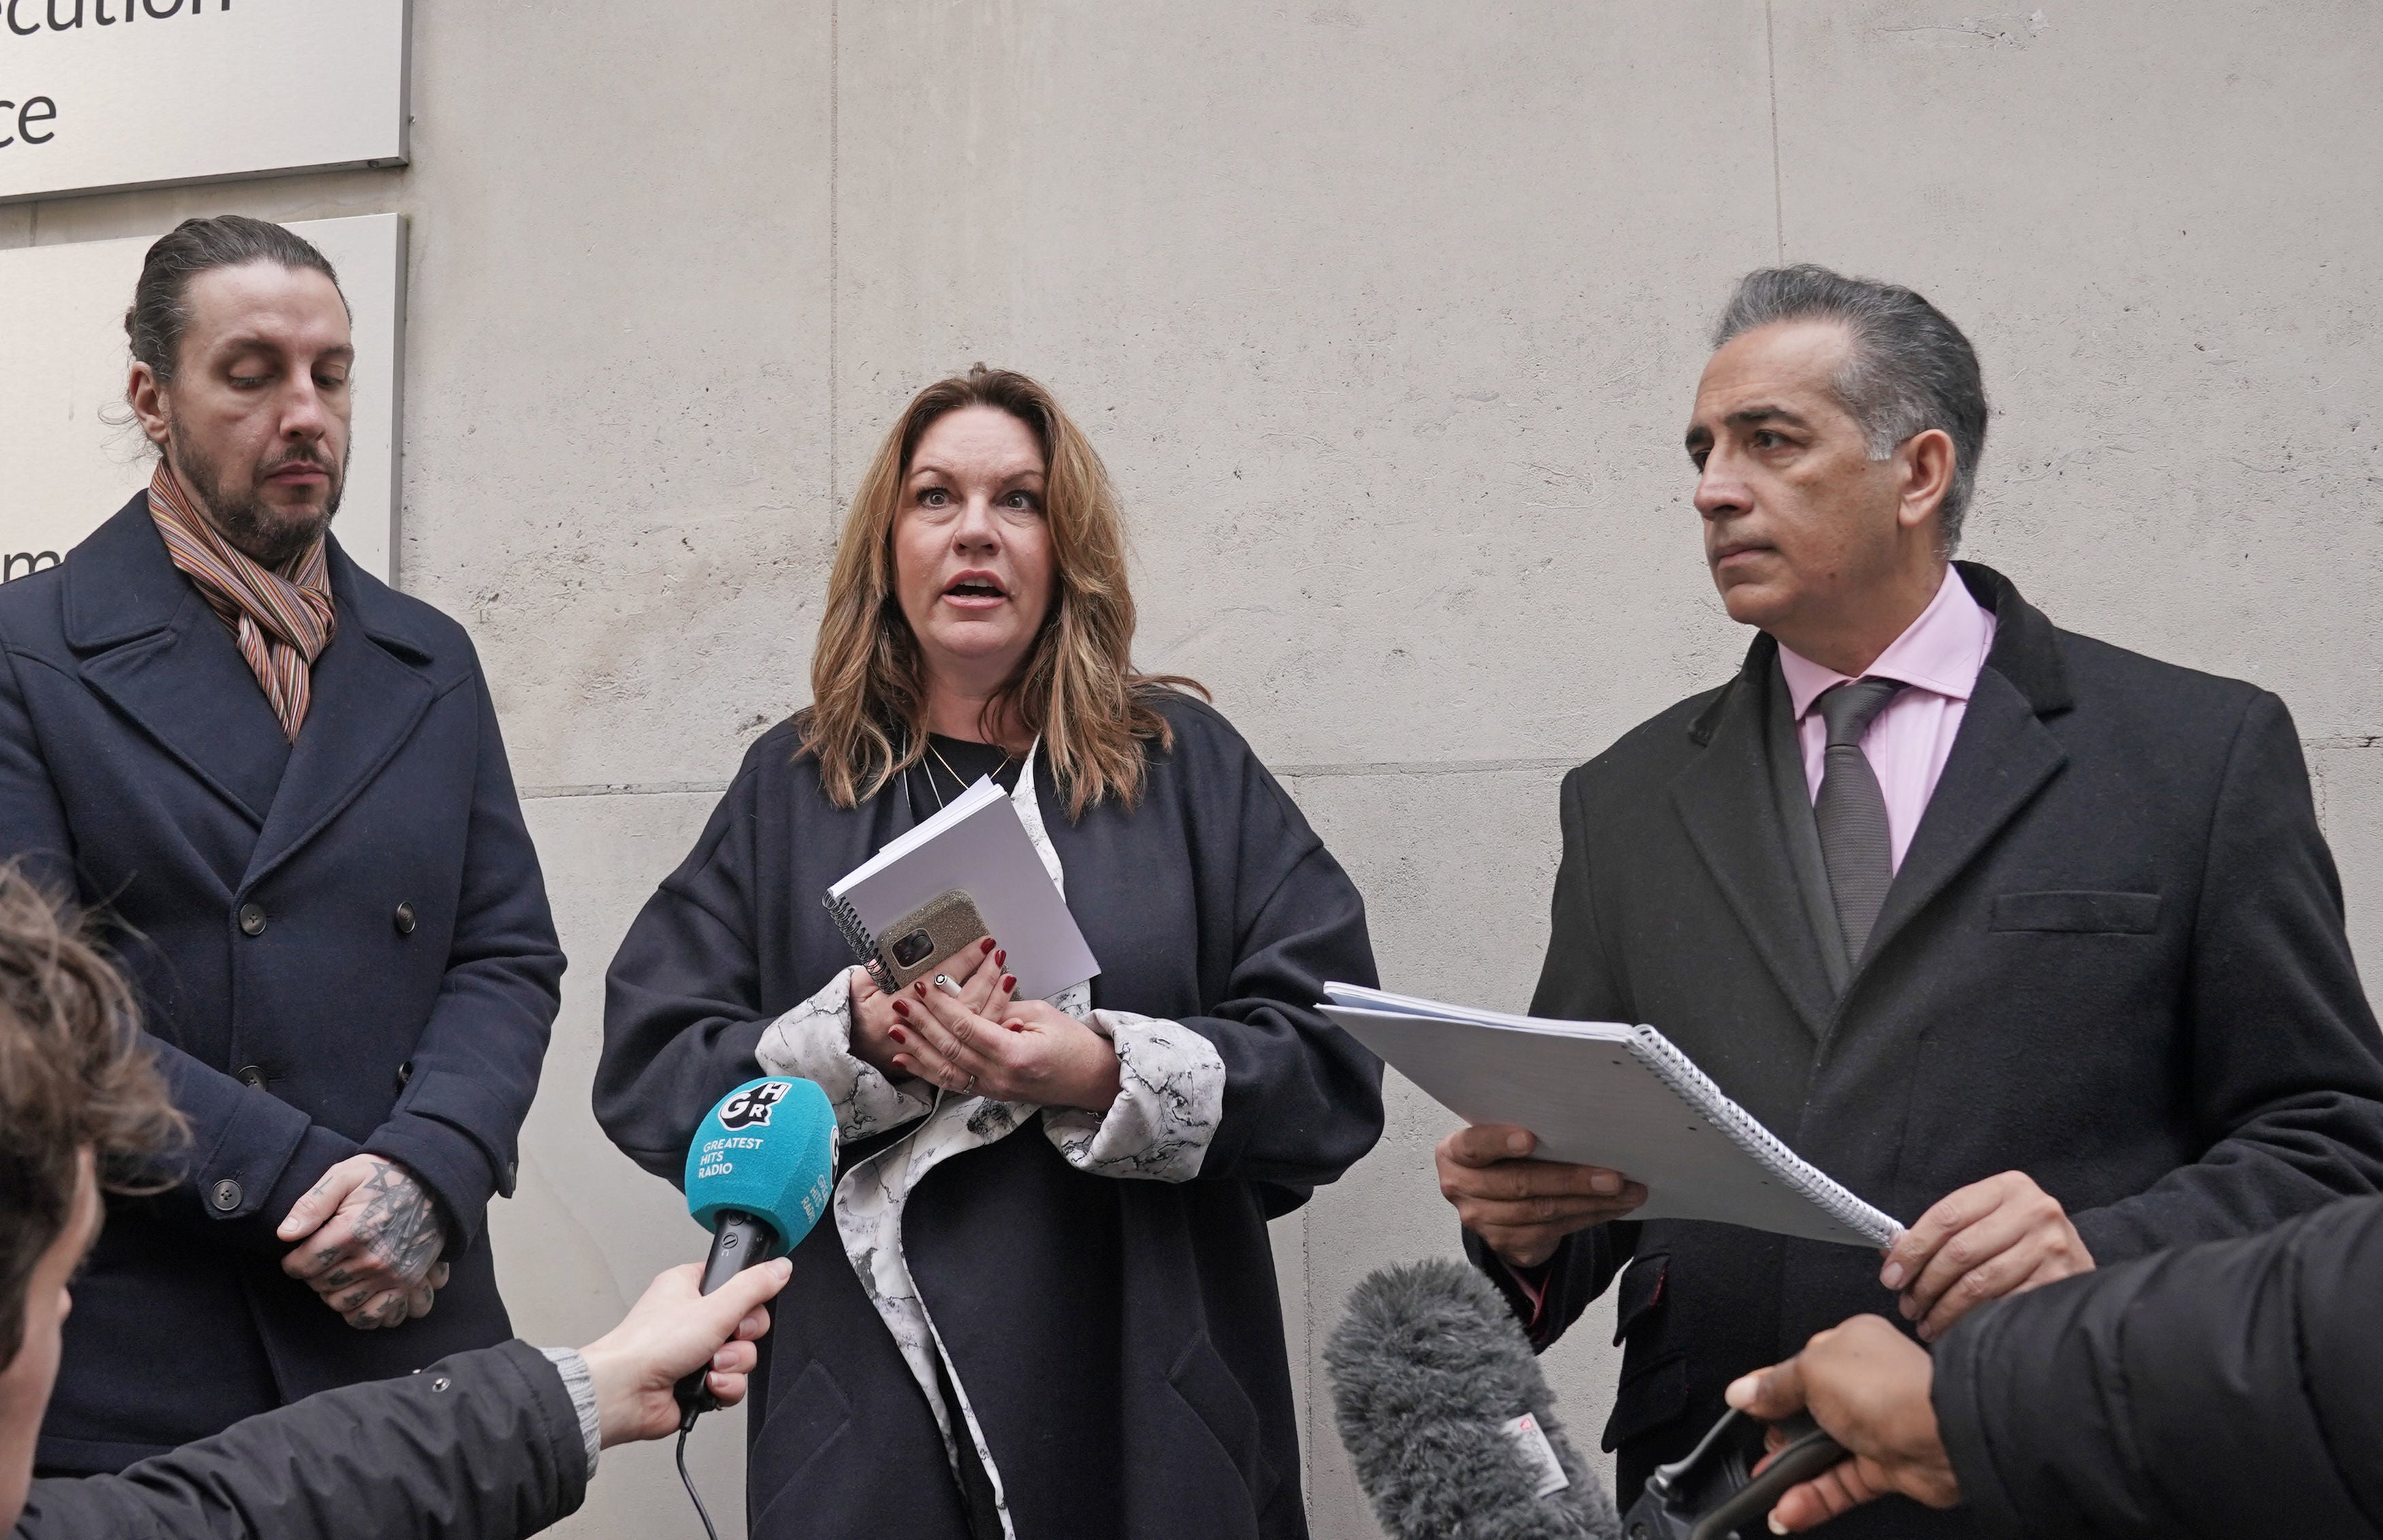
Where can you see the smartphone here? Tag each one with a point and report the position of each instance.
(913, 946)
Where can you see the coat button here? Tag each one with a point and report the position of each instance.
(251, 919)
(224, 1195)
(252, 1075)
(406, 919)
(404, 1074)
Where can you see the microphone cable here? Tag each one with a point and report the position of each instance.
(692, 1495)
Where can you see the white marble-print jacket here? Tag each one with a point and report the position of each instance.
(1172, 1094)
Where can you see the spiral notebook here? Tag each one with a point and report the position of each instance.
(977, 843)
(1599, 1093)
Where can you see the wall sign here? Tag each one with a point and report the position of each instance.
(69, 467)
(99, 94)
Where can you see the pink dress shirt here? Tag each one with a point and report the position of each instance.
(1939, 656)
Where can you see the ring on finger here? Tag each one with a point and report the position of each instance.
(969, 1089)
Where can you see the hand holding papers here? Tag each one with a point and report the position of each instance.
(976, 846)
(1615, 1097)
(1523, 1208)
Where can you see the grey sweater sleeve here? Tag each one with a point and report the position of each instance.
(485, 1443)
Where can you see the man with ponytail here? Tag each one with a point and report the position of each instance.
(279, 785)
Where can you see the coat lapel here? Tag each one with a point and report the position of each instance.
(152, 648)
(366, 702)
(1725, 799)
(2001, 758)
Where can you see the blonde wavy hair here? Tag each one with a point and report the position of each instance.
(1076, 686)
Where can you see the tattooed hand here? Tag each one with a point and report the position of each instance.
(369, 1238)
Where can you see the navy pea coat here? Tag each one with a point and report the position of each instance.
(338, 945)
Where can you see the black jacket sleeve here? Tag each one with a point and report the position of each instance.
(683, 1013)
(2225, 1390)
(1302, 1099)
(2282, 1049)
(1576, 984)
(483, 1444)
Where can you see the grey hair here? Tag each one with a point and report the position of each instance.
(161, 311)
(1909, 368)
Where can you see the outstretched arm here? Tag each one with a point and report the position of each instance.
(488, 1444)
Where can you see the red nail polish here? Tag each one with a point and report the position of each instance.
(902, 1009)
(1000, 958)
(988, 943)
(899, 1035)
(1009, 980)
(920, 989)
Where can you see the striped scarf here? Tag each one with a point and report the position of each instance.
(282, 620)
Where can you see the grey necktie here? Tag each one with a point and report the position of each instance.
(1851, 810)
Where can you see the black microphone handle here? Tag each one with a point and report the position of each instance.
(738, 1244)
(1810, 1454)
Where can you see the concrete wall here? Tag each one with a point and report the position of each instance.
(1386, 313)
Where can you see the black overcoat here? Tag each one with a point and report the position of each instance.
(482, 1445)
(338, 945)
(1121, 1342)
(2113, 958)
(2209, 1393)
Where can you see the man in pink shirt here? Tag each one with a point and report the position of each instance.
(2031, 941)
(1936, 659)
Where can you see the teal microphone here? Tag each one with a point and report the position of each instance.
(758, 1175)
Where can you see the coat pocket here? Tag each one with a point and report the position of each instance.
(2122, 914)
(1648, 1398)
(1642, 1294)
(1654, 1387)
(1205, 1385)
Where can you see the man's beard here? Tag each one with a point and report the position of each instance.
(254, 529)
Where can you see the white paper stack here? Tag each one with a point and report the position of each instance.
(1601, 1094)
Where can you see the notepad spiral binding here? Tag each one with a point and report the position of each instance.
(1678, 1071)
(856, 936)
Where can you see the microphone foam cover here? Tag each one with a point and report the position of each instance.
(767, 1150)
(1427, 1369)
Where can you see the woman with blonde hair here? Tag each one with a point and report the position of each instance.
(1046, 1305)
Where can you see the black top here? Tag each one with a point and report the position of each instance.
(950, 767)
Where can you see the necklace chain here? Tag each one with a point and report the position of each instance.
(956, 779)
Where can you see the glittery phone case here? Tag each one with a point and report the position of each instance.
(914, 945)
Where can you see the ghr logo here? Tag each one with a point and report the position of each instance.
(748, 1108)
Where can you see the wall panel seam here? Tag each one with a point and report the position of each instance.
(1354, 770)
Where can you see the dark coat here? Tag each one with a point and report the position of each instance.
(2224, 1390)
(485, 1443)
(2113, 959)
(143, 773)
(1120, 1341)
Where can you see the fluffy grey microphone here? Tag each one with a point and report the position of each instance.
(1429, 1372)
